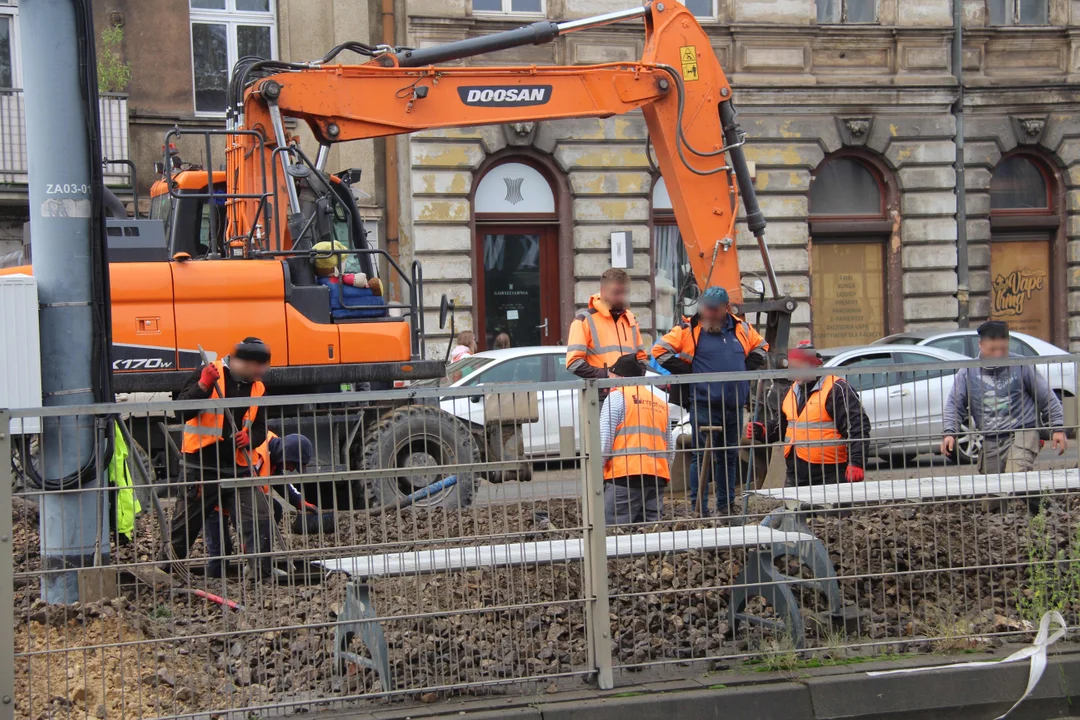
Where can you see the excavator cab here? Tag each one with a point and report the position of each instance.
(219, 285)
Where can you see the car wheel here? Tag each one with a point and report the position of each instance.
(968, 444)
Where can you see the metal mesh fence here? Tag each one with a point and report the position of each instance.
(509, 537)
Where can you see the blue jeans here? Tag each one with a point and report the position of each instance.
(724, 462)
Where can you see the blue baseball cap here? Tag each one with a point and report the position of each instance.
(715, 297)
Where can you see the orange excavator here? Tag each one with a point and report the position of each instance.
(237, 255)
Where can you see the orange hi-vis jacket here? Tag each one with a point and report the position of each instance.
(812, 433)
(640, 444)
(682, 340)
(598, 339)
(208, 426)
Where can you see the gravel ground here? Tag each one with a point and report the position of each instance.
(941, 571)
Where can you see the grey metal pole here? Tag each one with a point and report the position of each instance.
(58, 150)
(962, 283)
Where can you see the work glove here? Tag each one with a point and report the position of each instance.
(209, 377)
(855, 474)
(242, 439)
(755, 431)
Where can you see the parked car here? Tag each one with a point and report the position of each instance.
(906, 409)
(557, 408)
(1060, 376)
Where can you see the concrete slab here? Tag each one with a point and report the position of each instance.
(782, 701)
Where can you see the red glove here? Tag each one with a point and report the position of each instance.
(209, 377)
(242, 439)
(755, 431)
(855, 474)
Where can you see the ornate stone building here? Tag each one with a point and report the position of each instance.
(848, 109)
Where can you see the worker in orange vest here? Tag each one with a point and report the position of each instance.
(822, 422)
(606, 331)
(212, 452)
(276, 456)
(635, 442)
(713, 341)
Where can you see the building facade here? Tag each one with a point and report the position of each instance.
(847, 105)
(180, 53)
(848, 109)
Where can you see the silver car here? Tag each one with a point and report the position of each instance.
(906, 409)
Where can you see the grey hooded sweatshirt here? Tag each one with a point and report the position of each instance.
(1002, 400)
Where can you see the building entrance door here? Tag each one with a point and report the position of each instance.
(517, 284)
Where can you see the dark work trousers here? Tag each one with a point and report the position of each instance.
(248, 508)
(724, 457)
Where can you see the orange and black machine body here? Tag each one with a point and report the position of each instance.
(238, 256)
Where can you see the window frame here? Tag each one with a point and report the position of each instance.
(861, 228)
(1012, 10)
(231, 18)
(11, 10)
(507, 10)
(1037, 225)
(844, 13)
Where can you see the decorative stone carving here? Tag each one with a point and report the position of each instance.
(854, 130)
(519, 133)
(1028, 130)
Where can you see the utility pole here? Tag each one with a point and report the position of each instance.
(61, 117)
(963, 288)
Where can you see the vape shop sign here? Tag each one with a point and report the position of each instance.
(1020, 285)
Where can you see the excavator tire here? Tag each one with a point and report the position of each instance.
(419, 435)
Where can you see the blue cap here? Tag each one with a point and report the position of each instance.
(294, 448)
(715, 297)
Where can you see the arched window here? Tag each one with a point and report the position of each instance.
(674, 290)
(1026, 250)
(516, 256)
(850, 202)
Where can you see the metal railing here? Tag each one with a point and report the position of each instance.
(451, 540)
(114, 137)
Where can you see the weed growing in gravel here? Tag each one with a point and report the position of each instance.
(777, 654)
(162, 612)
(1053, 574)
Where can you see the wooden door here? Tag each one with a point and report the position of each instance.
(517, 284)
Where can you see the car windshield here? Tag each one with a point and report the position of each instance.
(465, 367)
(455, 371)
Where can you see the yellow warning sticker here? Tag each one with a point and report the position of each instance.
(688, 57)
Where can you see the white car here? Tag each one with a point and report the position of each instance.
(557, 408)
(906, 409)
(1060, 376)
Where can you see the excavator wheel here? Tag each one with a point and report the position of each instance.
(419, 436)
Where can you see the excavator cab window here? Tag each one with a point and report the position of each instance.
(194, 218)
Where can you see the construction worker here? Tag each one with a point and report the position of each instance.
(606, 331)
(635, 442)
(212, 452)
(822, 422)
(277, 456)
(712, 341)
(1011, 405)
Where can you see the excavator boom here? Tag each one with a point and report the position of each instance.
(678, 84)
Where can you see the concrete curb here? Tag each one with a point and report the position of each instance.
(832, 693)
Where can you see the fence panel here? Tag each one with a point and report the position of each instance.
(442, 541)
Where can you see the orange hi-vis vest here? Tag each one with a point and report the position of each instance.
(598, 339)
(640, 445)
(207, 427)
(812, 433)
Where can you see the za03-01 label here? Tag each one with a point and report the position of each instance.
(505, 96)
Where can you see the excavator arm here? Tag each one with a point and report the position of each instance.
(678, 84)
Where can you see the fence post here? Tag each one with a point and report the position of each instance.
(7, 569)
(597, 608)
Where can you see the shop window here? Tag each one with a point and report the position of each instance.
(674, 289)
(1024, 229)
(849, 276)
(846, 11)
